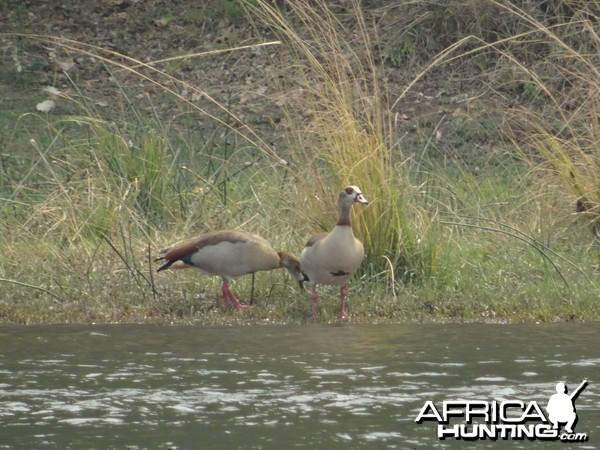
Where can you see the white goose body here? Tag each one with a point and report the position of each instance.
(233, 257)
(230, 254)
(333, 258)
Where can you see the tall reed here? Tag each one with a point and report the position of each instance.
(348, 137)
(561, 139)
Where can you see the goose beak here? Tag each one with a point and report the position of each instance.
(360, 199)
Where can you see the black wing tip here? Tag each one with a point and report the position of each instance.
(165, 265)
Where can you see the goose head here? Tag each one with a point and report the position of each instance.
(351, 195)
(292, 265)
(348, 197)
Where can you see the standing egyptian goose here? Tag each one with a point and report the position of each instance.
(230, 254)
(332, 258)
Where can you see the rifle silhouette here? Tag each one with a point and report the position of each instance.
(580, 388)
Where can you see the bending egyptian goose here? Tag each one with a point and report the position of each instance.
(230, 254)
(332, 258)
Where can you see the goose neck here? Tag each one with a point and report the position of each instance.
(344, 214)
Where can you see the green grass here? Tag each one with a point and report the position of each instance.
(472, 214)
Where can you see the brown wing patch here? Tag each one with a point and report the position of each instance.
(339, 273)
(208, 239)
(314, 239)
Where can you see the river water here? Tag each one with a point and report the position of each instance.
(275, 387)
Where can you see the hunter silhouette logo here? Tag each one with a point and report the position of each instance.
(508, 419)
(561, 406)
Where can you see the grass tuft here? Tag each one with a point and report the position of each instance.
(349, 140)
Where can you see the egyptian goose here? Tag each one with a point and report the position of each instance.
(230, 254)
(332, 258)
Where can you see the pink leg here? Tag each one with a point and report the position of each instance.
(228, 295)
(314, 297)
(343, 294)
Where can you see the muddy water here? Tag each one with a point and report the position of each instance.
(129, 386)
